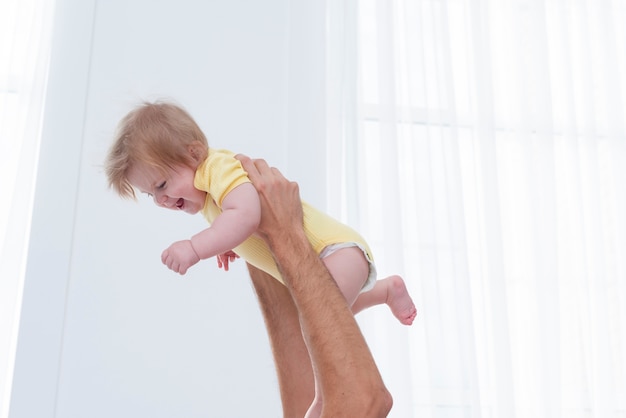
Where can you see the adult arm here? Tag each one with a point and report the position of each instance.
(291, 356)
(350, 382)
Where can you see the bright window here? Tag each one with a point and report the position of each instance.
(25, 28)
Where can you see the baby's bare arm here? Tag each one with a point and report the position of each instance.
(241, 213)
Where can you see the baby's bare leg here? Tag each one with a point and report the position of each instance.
(394, 293)
(350, 269)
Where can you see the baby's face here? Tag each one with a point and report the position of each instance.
(172, 190)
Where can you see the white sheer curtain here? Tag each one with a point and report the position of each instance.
(24, 49)
(481, 147)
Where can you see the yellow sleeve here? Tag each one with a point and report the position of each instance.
(219, 174)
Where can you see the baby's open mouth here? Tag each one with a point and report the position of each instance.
(180, 203)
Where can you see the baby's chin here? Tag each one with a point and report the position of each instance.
(192, 210)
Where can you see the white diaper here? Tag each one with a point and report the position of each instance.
(371, 279)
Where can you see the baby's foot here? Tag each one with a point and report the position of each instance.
(399, 301)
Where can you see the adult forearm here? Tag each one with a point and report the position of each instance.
(295, 258)
(350, 383)
(293, 363)
(334, 339)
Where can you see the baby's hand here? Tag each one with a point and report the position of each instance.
(224, 259)
(180, 256)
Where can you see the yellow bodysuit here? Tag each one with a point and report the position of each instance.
(220, 173)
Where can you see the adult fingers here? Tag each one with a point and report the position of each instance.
(257, 169)
(262, 166)
(248, 164)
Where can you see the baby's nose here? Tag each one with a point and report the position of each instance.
(161, 200)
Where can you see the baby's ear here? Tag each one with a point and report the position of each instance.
(198, 151)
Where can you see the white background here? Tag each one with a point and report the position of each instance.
(106, 330)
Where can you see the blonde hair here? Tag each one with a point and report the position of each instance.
(158, 135)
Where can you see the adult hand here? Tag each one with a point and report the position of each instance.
(281, 207)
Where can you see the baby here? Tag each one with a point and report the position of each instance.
(161, 151)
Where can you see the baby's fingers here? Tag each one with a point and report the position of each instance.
(222, 262)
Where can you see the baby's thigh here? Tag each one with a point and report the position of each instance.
(350, 269)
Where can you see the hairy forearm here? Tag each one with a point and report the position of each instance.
(344, 368)
(324, 312)
(294, 256)
(347, 374)
(308, 280)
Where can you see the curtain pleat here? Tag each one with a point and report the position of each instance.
(483, 156)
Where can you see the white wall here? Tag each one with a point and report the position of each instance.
(105, 329)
